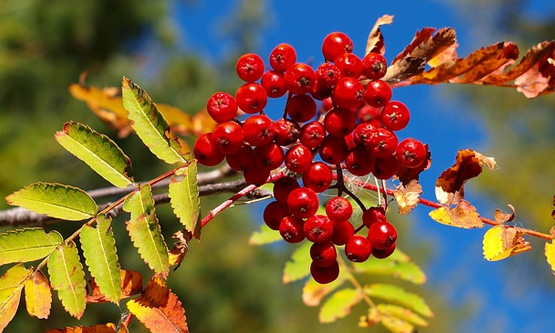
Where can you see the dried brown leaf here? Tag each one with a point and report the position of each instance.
(375, 41)
(468, 165)
(503, 217)
(464, 215)
(408, 197)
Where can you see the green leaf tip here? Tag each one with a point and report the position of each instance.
(184, 197)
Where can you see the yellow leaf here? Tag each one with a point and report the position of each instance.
(462, 216)
(38, 296)
(550, 254)
(502, 241)
(407, 197)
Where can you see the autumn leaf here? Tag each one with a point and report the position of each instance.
(11, 284)
(298, 267)
(314, 292)
(158, 308)
(38, 295)
(131, 284)
(407, 197)
(103, 328)
(339, 304)
(503, 217)
(503, 241)
(464, 215)
(180, 248)
(550, 255)
(375, 41)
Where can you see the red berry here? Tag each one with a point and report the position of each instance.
(373, 215)
(363, 135)
(242, 159)
(298, 158)
(268, 157)
(335, 44)
(395, 116)
(249, 67)
(384, 253)
(358, 248)
(228, 137)
(274, 213)
(291, 229)
(327, 104)
(374, 66)
(377, 93)
(323, 254)
(282, 188)
(302, 202)
(386, 167)
(255, 175)
(274, 84)
(221, 107)
(259, 130)
(342, 232)
(282, 57)
(206, 152)
(411, 153)
(348, 93)
(349, 64)
(327, 74)
(287, 132)
(360, 162)
(339, 209)
(339, 122)
(320, 91)
(385, 142)
(367, 113)
(324, 275)
(382, 235)
(312, 134)
(334, 150)
(318, 177)
(318, 228)
(251, 98)
(301, 108)
(300, 78)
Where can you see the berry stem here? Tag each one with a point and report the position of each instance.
(340, 180)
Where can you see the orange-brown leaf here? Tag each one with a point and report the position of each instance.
(180, 248)
(131, 284)
(375, 41)
(503, 217)
(464, 215)
(407, 197)
(104, 328)
(38, 295)
(9, 309)
(468, 165)
(202, 123)
(158, 308)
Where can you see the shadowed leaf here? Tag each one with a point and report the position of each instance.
(339, 305)
(502, 241)
(264, 236)
(407, 271)
(404, 314)
(299, 265)
(23, 245)
(399, 296)
(396, 325)
(38, 295)
(184, 197)
(314, 292)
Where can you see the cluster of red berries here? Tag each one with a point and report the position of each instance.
(353, 129)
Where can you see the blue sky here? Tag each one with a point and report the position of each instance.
(439, 117)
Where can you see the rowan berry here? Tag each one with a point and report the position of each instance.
(335, 44)
(373, 215)
(249, 67)
(411, 153)
(274, 84)
(206, 151)
(358, 248)
(339, 209)
(318, 229)
(282, 57)
(339, 122)
(251, 98)
(374, 66)
(302, 202)
(395, 116)
(242, 159)
(324, 275)
(318, 177)
(382, 235)
(312, 134)
(299, 78)
(222, 107)
(342, 232)
(349, 64)
(334, 150)
(228, 137)
(377, 93)
(259, 130)
(268, 157)
(274, 213)
(287, 132)
(323, 254)
(301, 108)
(298, 158)
(348, 93)
(291, 229)
(282, 187)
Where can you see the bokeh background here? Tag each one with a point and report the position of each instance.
(181, 51)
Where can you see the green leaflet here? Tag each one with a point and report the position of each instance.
(339, 305)
(398, 295)
(396, 325)
(11, 284)
(314, 292)
(56, 200)
(401, 313)
(23, 245)
(99, 249)
(299, 265)
(403, 270)
(97, 150)
(264, 236)
(145, 231)
(150, 125)
(68, 278)
(184, 197)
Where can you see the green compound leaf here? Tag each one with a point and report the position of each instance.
(68, 278)
(11, 284)
(23, 245)
(264, 236)
(151, 126)
(55, 200)
(396, 325)
(97, 150)
(403, 270)
(184, 197)
(399, 296)
(339, 305)
(299, 265)
(99, 249)
(391, 310)
(145, 231)
(314, 292)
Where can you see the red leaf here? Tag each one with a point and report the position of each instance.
(105, 328)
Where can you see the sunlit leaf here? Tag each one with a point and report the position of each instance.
(399, 296)
(23, 245)
(375, 40)
(403, 270)
(396, 325)
(159, 309)
(264, 236)
(339, 305)
(38, 295)
(464, 215)
(11, 284)
(402, 313)
(550, 255)
(502, 241)
(468, 165)
(97, 150)
(299, 265)
(179, 248)
(150, 124)
(99, 250)
(103, 328)
(407, 197)
(131, 284)
(145, 231)
(68, 278)
(184, 197)
(55, 200)
(314, 292)
(203, 123)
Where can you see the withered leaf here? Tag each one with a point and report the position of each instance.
(407, 197)
(502, 241)
(375, 41)
(467, 165)
(464, 215)
(503, 217)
